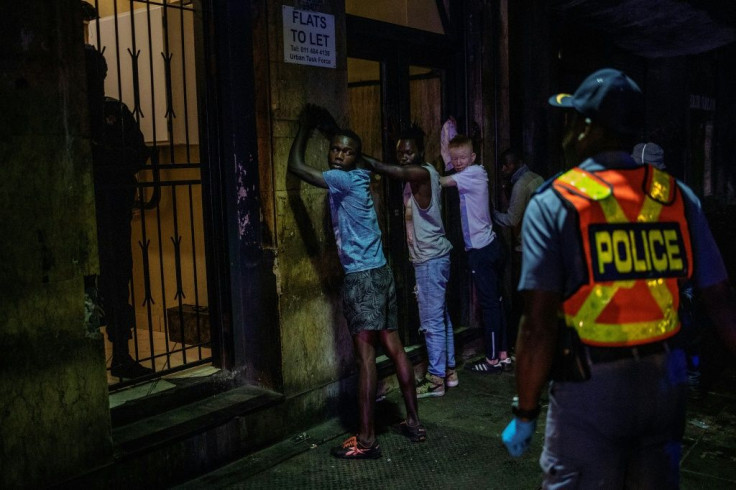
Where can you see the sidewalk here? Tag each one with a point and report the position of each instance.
(463, 447)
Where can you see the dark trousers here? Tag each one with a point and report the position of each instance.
(517, 300)
(486, 265)
(114, 213)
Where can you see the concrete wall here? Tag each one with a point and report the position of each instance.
(54, 416)
(316, 346)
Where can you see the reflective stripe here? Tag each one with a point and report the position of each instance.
(661, 192)
(584, 308)
(585, 183)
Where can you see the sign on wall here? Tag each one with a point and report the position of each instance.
(309, 37)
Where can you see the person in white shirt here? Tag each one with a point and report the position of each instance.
(484, 249)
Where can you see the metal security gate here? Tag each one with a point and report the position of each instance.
(149, 48)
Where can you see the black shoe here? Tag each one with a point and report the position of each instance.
(483, 367)
(127, 367)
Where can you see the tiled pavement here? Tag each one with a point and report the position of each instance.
(463, 449)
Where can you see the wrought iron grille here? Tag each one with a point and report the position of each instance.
(149, 47)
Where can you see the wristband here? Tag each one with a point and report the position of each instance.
(524, 414)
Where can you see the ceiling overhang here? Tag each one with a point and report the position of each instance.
(655, 28)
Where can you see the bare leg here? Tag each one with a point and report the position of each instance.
(404, 372)
(365, 352)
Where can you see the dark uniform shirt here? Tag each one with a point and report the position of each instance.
(552, 258)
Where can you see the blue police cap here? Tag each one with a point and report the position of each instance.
(609, 98)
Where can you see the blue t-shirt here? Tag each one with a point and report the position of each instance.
(354, 220)
(552, 258)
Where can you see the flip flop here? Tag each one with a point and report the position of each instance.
(415, 433)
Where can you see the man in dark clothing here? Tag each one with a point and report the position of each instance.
(118, 152)
(523, 183)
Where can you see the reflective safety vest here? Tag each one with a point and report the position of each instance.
(637, 247)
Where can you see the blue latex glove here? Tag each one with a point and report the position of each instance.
(517, 436)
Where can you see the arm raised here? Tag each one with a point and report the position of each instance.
(407, 173)
(308, 121)
(447, 181)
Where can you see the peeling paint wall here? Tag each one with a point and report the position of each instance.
(316, 346)
(54, 417)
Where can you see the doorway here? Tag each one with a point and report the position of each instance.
(397, 76)
(152, 66)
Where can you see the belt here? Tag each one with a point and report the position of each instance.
(598, 355)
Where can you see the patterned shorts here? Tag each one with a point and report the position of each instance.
(369, 300)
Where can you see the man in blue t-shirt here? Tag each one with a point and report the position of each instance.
(369, 292)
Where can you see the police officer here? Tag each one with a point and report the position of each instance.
(605, 247)
(118, 152)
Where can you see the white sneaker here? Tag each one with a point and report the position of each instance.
(451, 379)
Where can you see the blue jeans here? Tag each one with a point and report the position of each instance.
(431, 278)
(487, 264)
(620, 429)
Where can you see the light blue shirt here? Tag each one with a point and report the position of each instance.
(354, 220)
(552, 258)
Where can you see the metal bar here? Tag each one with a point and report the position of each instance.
(170, 114)
(177, 266)
(184, 84)
(194, 269)
(163, 282)
(152, 79)
(117, 48)
(167, 55)
(148, 301)
(148, 298)
(134, 53)
(177, 261)
(180, 6)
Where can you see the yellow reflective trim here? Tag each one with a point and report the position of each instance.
(660, 188)
(629, 333)
(604, 333)
(663, 297)
(585, 184)
(659, 192)
(650, 211)
(612, 210)
(600, 295)
(560, 97)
